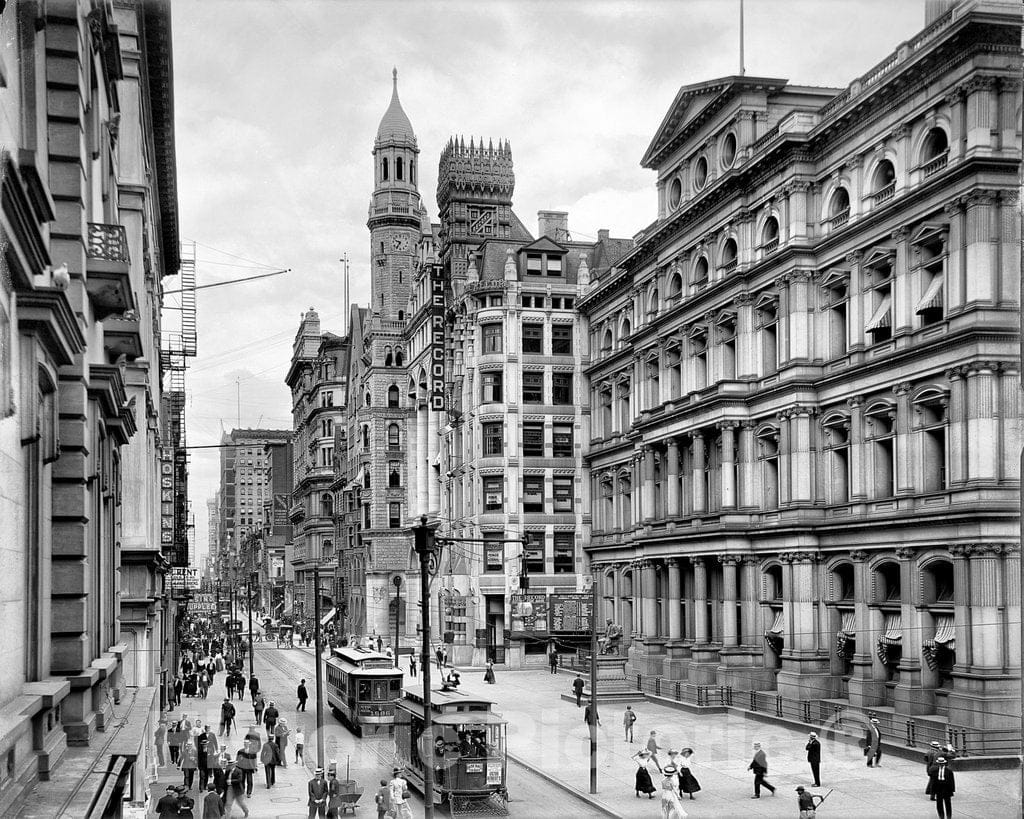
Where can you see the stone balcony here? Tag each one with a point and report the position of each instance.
(108, 270)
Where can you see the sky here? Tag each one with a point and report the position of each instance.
(277, 105)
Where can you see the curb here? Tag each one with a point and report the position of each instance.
(583, 797)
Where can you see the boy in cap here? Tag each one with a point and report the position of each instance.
(805, 801)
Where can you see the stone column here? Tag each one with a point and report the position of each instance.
(858, 477)
(982, 422)
(982, 121)
(700, 505)
(979, 247)
(728, 465)
(955, 290)
(747, 484)
(700, 599)
(855, 303)
(865, 689)
(798, 208)
(750, 631)
(413, 464)
(675, 587)
(648, 593)
(1011, 608)
(672, 477)
(955, 100)
(635, 464)
(801, 315)
(422, 459)
(783, 325)
(962, 612)
(910, 695)
(746, 361)
(433, 486)
(986, 603)
(730, 591)
(902, 461)
(1009, 416)
(661, 577)
(958, 444)
(802, 450)
(785, 445)
(902, 310)
(648, 504)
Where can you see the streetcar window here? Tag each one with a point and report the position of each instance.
(364, 689)
(396, 688)
(380, 690)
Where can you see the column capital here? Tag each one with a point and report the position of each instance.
(729, 424)
(855, 401)
(902, 388)
(854, 257)
(730, 560)
(962, 550)
(900, 234)
(991, 549)
(906, 553)
(858, 555)
(743, 300)
(697, 561)
(955, 373)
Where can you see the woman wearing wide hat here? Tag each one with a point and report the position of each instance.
(671, 808)
(687, 781)
(643, 776)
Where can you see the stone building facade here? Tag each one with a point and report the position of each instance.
(805, 387)
(88, 230)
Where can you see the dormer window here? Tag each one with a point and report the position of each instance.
(541, 264)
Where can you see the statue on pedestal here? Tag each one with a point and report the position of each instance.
(609, 644)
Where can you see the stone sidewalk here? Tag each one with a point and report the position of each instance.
(549, 734)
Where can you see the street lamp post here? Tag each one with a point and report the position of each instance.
(398, 604)
(425, 548)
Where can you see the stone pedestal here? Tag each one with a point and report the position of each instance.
(806, 678)
(676, 660)
(743, 668)
(910, 697)
(648, 656)
(613, 684)
(703, 666)
(864, 690)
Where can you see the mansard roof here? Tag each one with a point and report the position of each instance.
(694, 104)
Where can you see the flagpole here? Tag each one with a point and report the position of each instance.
(743, 69)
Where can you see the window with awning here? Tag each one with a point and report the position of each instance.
(773, 635)
(945, 637)
(892, 636)
(881, 319)
(846, 637)
(931, 301)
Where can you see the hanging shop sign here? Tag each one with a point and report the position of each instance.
(437, 306)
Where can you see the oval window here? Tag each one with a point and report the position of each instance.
(675, 193)
(728, 150)
(700, 173)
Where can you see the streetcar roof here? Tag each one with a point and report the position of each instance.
(469, 718)
(358, 655)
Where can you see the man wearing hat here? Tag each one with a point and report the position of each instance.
(213, 805)
(813, 749)
(759, 765)
(873, 744)
(943, 787)
(318, 793)
(167, 807)
(398, 793)
(805, 801)
(934, 752)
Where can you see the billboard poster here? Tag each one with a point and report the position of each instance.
(573, 613)
(529, 615)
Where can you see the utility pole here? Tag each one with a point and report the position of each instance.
(248, 593)
(593, 684)
(319, 669)
(425, 548)
(398, 604)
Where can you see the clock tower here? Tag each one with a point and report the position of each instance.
(396, 212)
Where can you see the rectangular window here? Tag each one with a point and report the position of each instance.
(492, 387)
(562, 493)
(554, 265)
(533, 300)
(366, 516)
(561, 388)
(533, 388)
(492, 338)
(535, 554)
(561, 339)
(533, 493)
(565, 551)
(562, 441)
(394, 515)
(494, 438)
(533, 338)
(494, 553)
(568, 303)
(494, 493)
(533, 440)
(495, 301)
(534, 264)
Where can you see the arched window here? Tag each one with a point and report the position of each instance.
(398, 168)
(394, 436)
(625, 331)
(770, 235)
(934, 152)
(384, 169)
(839, 208)
(730, 255)
(700, 272)
(652, 302)
(366, 437)
(326, 505)
(388, 357)
(675, 287)
(399, 358)
(394, 474)
(366, 477)
(883, 182)
(842, 583)
(772, 583)
(412, 172)
(393, 396)
(401, 315)
(607, 341)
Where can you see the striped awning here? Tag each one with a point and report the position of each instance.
(945, 635)
(773, 634)
(892, 635)
(932, 298)
(882, 317)
(846, 635)
(776, 627)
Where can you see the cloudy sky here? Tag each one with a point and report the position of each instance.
(277, 104)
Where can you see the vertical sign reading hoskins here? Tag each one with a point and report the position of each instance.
(167, 501)
(437, 402)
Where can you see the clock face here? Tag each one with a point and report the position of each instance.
(400, 241)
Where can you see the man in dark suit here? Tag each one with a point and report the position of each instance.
(873, 744)
(318, 794)
(206, 744)
(933, 753)
(813, 749)
(213, 805)
(577, 687)
(943, 787)
(759, 765)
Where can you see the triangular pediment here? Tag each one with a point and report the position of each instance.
(544, 245)
(693, 104)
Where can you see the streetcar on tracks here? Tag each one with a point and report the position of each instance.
(466, 747)
(362, 688)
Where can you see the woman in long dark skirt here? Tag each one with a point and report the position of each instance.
(687, 781)
(643, 776)
(489, 673)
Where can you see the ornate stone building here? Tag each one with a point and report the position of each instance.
(88, 229)
(805, 387)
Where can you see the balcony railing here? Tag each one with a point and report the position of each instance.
(884, 194)
(933, 166)
(770, 246)
(839, 219)
(109, 242)
(108, 270)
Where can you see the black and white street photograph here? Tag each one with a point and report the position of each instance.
(440, 409)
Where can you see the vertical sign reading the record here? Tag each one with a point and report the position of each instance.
(437, 338)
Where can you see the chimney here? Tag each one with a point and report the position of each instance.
(554, 224)
(934, 9)
(602, 235)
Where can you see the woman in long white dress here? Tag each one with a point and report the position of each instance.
(671, 807)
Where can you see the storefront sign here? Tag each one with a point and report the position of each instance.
(529, 613)
(184, 578)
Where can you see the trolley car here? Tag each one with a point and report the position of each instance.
(466, 747)
(362, 687)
